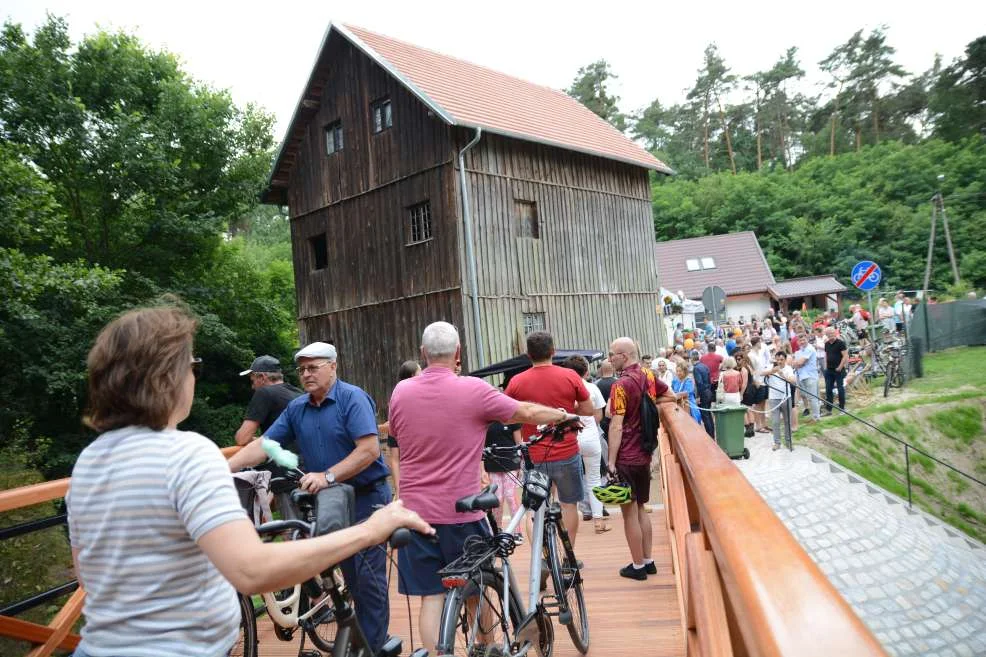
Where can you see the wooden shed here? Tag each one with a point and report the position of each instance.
(557, 234)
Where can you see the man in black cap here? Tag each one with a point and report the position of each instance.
(271, 395)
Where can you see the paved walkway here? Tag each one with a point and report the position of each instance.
(919, 584)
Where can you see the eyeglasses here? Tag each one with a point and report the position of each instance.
(310, 369)
(196, 367)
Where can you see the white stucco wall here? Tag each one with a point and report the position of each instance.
(746, 306)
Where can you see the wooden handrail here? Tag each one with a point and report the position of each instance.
(774, 599)
(56, 634)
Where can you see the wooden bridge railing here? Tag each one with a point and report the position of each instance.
(57, 635)
(746, 586)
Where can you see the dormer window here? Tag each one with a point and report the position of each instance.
(700, 264)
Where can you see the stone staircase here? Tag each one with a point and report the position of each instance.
(918, 583)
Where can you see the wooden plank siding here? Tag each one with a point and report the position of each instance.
(592, 271)
(352, 82)
(378, 292)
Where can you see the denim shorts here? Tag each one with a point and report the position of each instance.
(566, 475)
(419, 561)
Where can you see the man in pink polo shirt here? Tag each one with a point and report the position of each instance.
(441, 419)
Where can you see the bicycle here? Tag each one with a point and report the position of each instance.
(330, 623)
(483, 599)
(349, 640)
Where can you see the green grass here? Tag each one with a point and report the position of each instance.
(951, 377)
(962, 423)
(952, 369)
(877, 475)
(961, 483)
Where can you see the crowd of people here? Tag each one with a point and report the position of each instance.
(147, 499)
(160, 539)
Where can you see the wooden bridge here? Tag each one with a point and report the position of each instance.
(731, 579)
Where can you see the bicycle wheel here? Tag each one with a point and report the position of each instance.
(322, 628)
(889, 378)
(473, 617)
(567, 581)
(246, 642)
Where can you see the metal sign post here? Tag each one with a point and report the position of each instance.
(866, 276)
(714, 300)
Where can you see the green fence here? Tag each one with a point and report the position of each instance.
(953, 324)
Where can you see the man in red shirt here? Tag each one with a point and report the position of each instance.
(557, 387)
(713, 361)
(629, 459)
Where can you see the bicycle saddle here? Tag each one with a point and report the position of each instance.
(485, 500)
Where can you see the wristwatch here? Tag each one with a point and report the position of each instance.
(330, 477)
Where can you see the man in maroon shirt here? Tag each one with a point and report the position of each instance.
(713, 361)
(630, 461)
(557, 387)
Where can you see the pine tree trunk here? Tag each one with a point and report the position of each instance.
(706, 137)
(725, 130)
(876, 120)
(859, 138)
(759, 143)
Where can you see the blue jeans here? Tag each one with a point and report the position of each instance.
(366, 574)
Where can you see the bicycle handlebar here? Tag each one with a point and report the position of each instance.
(398, 539)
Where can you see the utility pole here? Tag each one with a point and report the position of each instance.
(948, 238)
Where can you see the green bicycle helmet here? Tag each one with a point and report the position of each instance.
(615, 492)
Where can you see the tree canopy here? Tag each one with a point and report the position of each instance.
(120, 177)
(830, 179)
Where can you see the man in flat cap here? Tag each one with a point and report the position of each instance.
(334, 426)
(271, 396)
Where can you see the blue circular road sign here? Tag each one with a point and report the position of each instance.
(866, 275)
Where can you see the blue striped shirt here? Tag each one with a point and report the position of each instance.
(138, 502)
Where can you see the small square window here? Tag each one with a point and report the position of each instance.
(534, 322)
(320, 251)
(527, 219)
(420, 219)
(383, 117)
(333, 138)
(708, 263)
(693, 264)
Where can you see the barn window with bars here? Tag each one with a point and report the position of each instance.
(534, 322)
(420, 220)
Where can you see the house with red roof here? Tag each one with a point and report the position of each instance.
(422, 187)
(736, 263)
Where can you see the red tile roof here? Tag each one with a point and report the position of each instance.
(472, 96)
(740, 267)
(806, 286)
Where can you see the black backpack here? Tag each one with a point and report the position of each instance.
(650, 419)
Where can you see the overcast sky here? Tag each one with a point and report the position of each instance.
(263, 52)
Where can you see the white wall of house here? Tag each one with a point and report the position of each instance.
(746, 305)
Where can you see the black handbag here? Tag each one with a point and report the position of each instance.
(335, 509)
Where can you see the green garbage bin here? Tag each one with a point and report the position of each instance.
(729, 429)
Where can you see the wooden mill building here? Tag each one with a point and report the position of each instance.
(557, 234)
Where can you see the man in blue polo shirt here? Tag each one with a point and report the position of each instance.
(334, 426)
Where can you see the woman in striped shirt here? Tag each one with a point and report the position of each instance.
(158, 535)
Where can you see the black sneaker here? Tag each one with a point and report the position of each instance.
(628, 571)
(586, 517)
(805, 413)
(605, 513)
(650, 568)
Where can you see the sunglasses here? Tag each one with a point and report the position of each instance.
(196, 367)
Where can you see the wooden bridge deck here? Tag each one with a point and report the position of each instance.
(626, 617)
